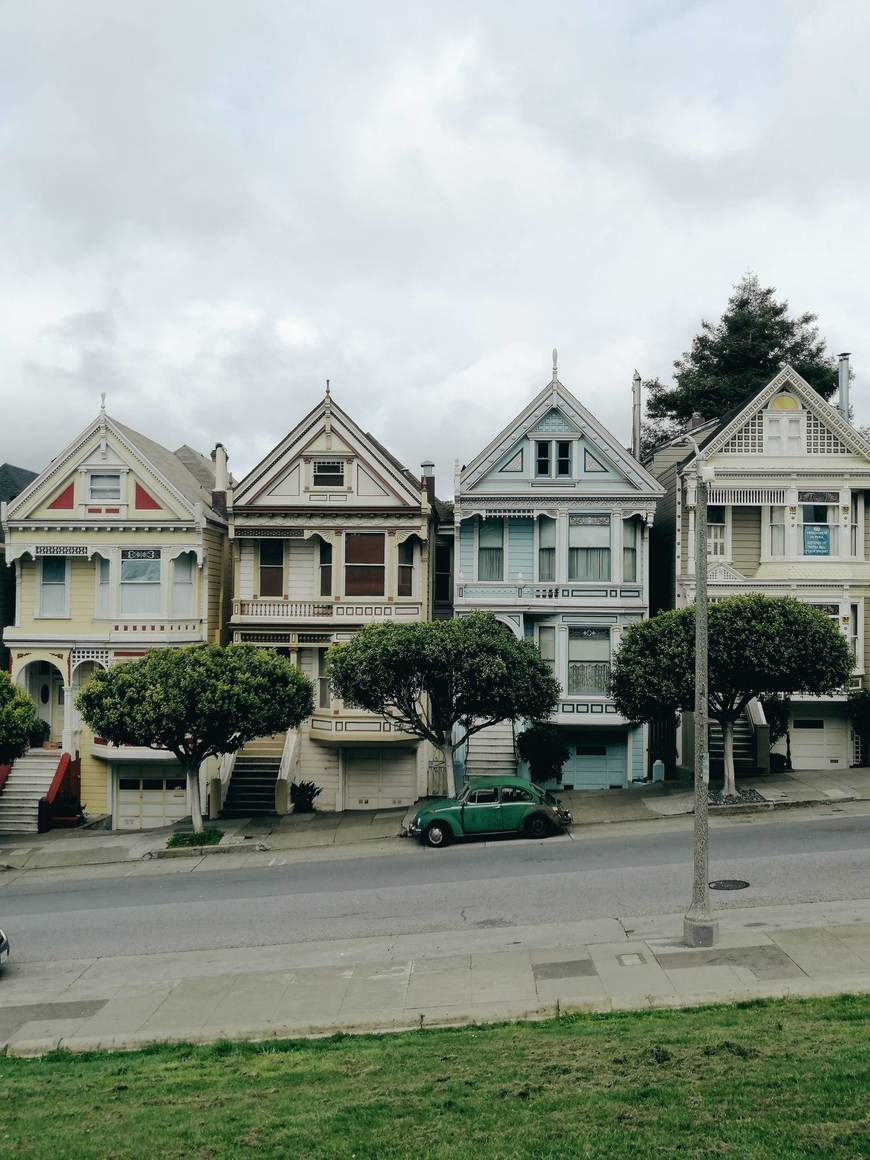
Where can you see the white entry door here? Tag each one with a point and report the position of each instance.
(376, 779)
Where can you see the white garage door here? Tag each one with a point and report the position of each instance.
(142, 803)
(820, 743)
(376, 779)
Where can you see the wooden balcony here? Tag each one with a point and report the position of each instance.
(281, 609)
(339, 727)
(338, 610)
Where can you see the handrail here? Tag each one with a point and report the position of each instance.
(57, 781)
(5, 770)
(290, 755)
(225, 773)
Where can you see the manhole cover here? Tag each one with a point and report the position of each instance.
(728, 884)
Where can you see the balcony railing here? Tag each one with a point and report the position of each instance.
(282, 609)
(550, 590)
(591, 677)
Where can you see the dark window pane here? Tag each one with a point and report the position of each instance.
(364, 548)
(325, 579)
(363, 580)
(484, 796)
(271, 581)
(272, 552)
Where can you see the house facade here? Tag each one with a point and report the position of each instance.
(119, 546)
(12, 481)
(787, 516)
(552, 526)
(330, 533)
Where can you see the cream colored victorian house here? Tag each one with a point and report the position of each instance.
(330, 532)
(119, 546)
(787, 516)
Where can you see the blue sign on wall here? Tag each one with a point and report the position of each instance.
(817, 540)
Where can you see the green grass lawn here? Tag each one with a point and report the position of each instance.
(781, 1079)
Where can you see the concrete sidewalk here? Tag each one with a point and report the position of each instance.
(412, 981)
(355, 829)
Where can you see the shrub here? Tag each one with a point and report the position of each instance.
(302, 795)
(39, 733)
(210, 836)
(544, 748)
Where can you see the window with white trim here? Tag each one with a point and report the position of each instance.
(784, 426)
(776, 531)
(53, 574)
(490, 550)
(546, 548)
(183, 576)
(325, 568)
(323, 695)
(589, 661)
(717, 533)
(364, 564)
(547, 645)
(104, 488)
(818, 524)
(103, 607)
(140, 581)
(328, 473)
(553, 458)
(630, 540)
(589, 547)
(406, 569)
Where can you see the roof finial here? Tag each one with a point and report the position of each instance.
(327, 388)
(555, 364)
(103, 403)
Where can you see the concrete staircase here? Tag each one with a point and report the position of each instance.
(29, 780)
(744, 747)
(491, 752)
(252, 786)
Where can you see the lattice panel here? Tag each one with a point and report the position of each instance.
(554, 421)
(821, 440)
(749, 439)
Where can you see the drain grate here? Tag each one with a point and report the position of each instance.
(728, 884)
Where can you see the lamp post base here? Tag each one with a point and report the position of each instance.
(699, 931)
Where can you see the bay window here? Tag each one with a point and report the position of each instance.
(630, 537)
(183, 574)
(490, 550)
(323, 697)
(271, 568)
(325, 568)
(777, 531)
(546, 548)
(52, 588)
(547, 646)
(406, 569)
(589, 547)
(140, 582)
(589, 661)
(364, 564)
(103, 590)
(819, 530)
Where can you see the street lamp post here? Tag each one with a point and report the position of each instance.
(700, 928)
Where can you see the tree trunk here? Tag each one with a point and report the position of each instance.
(193, 799)
(730, 788)
(787, 749)
(447, 752)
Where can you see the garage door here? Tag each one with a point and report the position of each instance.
(142, 803)
(819, 743)
(379, 778)
(597, 761)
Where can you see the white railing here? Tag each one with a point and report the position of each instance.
(282, 609)
(290, 755)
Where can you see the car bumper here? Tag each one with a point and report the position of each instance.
(410, 831)
(4, 948)
(566, 818)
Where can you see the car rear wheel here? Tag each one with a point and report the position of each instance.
(438, 834)
(537, 826)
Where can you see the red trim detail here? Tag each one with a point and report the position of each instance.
(5, 770)
(112, 511)
(65, 500)
(57, 780)
(95, 511)
(145, 502)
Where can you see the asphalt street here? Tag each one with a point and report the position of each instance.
(791, 858)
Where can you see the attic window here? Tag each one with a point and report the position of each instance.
(105, 488)
(328, 473)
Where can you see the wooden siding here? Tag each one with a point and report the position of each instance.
(746, 539)
(521, 547)
(301, 563)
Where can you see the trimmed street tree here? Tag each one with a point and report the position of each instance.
(197, 702)
(759, 645)
(433, 676)
(731, 358)
(19, 721)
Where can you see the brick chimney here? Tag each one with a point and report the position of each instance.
(427, 475)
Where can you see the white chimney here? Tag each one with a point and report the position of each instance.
(221, 478)
(635, 415)
(844, 386)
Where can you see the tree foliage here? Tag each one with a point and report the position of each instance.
(430, 677)
(19, 721)
(731, 358)
(197, 703)
(543, 747)
(757, 645)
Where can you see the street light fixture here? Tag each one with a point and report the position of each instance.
(700, 928)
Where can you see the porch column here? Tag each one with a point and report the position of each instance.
(68, 743)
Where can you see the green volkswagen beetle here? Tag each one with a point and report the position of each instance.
(489, 805)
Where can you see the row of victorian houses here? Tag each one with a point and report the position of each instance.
(120, 545)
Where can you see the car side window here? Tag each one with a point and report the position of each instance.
(515, 793)
(482, 797)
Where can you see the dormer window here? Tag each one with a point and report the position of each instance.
(328, 473)
(105, 488)
(553, 458)
(784, 426)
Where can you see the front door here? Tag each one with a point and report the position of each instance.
(46, 691)
(481, 813)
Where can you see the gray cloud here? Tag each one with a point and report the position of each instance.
(209, 208)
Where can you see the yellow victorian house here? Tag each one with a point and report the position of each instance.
(120, 546)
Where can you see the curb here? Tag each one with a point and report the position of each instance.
(199, 851)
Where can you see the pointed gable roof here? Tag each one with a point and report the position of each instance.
(391, 474)
(556, 397)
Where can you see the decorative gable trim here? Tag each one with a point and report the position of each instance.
(143, 501)
(744, 434)
(64, 500)
(723, 572)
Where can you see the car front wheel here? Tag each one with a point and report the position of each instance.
(537, 826)
(437, 835)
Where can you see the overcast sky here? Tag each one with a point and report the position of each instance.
(208, 208)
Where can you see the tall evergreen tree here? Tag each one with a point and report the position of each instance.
(734, 356)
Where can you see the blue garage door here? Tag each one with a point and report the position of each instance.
(597, 761)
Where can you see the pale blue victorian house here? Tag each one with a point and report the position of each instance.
(553, 520)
